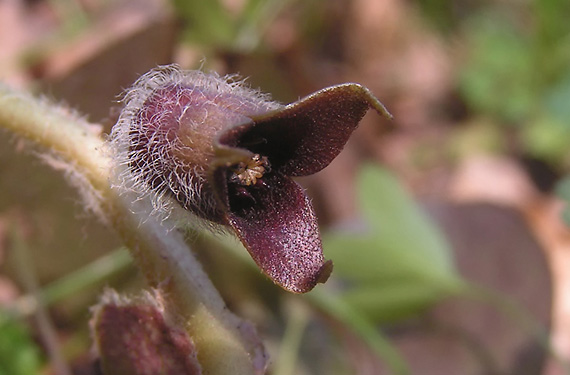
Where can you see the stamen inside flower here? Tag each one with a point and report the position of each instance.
(247, 173)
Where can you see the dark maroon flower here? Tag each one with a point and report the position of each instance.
(227, 154)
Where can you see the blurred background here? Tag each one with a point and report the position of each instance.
(446, 225)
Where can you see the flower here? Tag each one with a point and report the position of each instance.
(227, 154)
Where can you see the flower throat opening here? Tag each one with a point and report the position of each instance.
(248, 173)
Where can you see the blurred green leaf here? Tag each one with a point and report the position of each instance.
(19, 354)
(213, 25)
(551, 39)
(207, 22)
(563, 191)
(393, 301)
(557, 100)
(477, 136)
(498, 76)
(401, 263)
(398, 236)
(546, 137)
(516, 72)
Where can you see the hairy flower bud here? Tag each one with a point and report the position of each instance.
(135, 338)
(226, 153)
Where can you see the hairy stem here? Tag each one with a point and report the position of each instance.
(163, 256)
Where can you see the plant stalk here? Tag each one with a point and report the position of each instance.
(223, 345)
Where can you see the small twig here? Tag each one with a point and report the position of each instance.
(24, 267)
(517, 313)
(361, 326)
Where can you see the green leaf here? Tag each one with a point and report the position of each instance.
(401, 262)
(547, 138)
(563, 191)
(18, 353)
(208, 22)
(557, 98)
(497, 77)
(394, 300)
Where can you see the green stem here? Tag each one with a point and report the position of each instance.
(162, 255)
(74, 282)
(298, 315)
(361, 326)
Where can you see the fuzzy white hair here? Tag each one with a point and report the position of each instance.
(185, 186)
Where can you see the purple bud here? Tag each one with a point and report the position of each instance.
(226, 153)
(135, 339)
